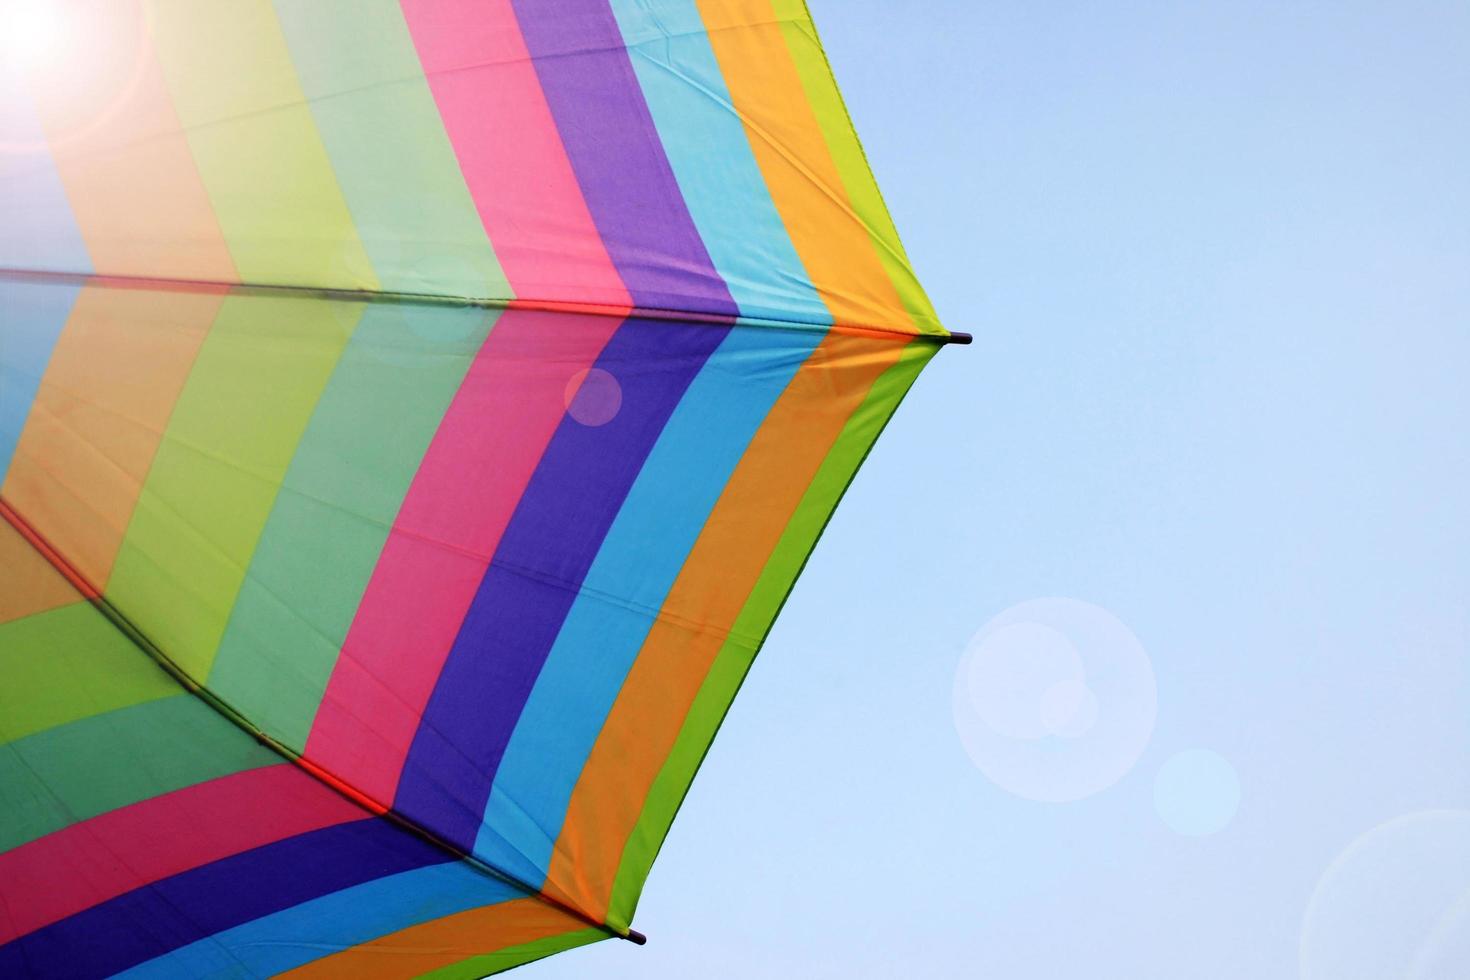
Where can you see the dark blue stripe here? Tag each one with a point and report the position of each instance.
(548, 546)
(168, 914)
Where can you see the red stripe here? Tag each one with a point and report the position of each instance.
(71, 870)
(510, 152)
(451, 522)
(43, 546)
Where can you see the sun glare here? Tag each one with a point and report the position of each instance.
(30, 32)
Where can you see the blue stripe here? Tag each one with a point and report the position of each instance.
(543, 556)
(175, 912)
(327, 925)
(38, 231)
(710, 154)
(617, 154)
(32, 316)
(644, 551)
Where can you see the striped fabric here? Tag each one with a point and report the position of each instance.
(412, 418)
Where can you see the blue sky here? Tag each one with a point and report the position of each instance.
(1216, 258)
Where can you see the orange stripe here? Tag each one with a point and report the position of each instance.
(29, 583)
(99, 414)
(121, 152)
(792, 152)
(418, 949)
(43, 548)
(708, 595)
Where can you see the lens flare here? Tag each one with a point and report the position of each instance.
(1197, 792)
(1055, 700)
(593, 397)
(1394, 903)
(30, 33)
(81, 66)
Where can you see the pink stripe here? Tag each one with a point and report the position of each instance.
(71, 870)
(461, 500)
(510, 152)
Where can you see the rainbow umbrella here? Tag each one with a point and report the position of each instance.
(412, 418)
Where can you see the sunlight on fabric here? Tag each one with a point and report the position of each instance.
(31, 33)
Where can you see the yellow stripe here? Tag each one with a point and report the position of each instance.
(830, 236)
(99, 415)
(257, 146)
(847, 152)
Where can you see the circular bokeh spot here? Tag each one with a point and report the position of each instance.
(1197, 792)
(1055, 699)
(1069, 708)
(593, 397)
(1394, 903)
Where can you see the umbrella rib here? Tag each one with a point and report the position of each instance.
(480, 302)
(139, 639)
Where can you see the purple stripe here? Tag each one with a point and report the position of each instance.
(190, 906)
(543, 557)
(615, 150)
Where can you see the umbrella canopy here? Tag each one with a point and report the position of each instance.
(412, 418)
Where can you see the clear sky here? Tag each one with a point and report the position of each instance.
(1216, 258)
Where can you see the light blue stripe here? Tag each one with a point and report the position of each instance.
(323, 926)
(32, 316)
(37, 231)
(707, 146)
(649, 541)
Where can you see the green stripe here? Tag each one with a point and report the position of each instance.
(67, 664)
(382, 131)
(229, 442)
(852, 163)
(256, 145)
(514, 956)
(755, 619)
(64, 775)
(351, 471)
